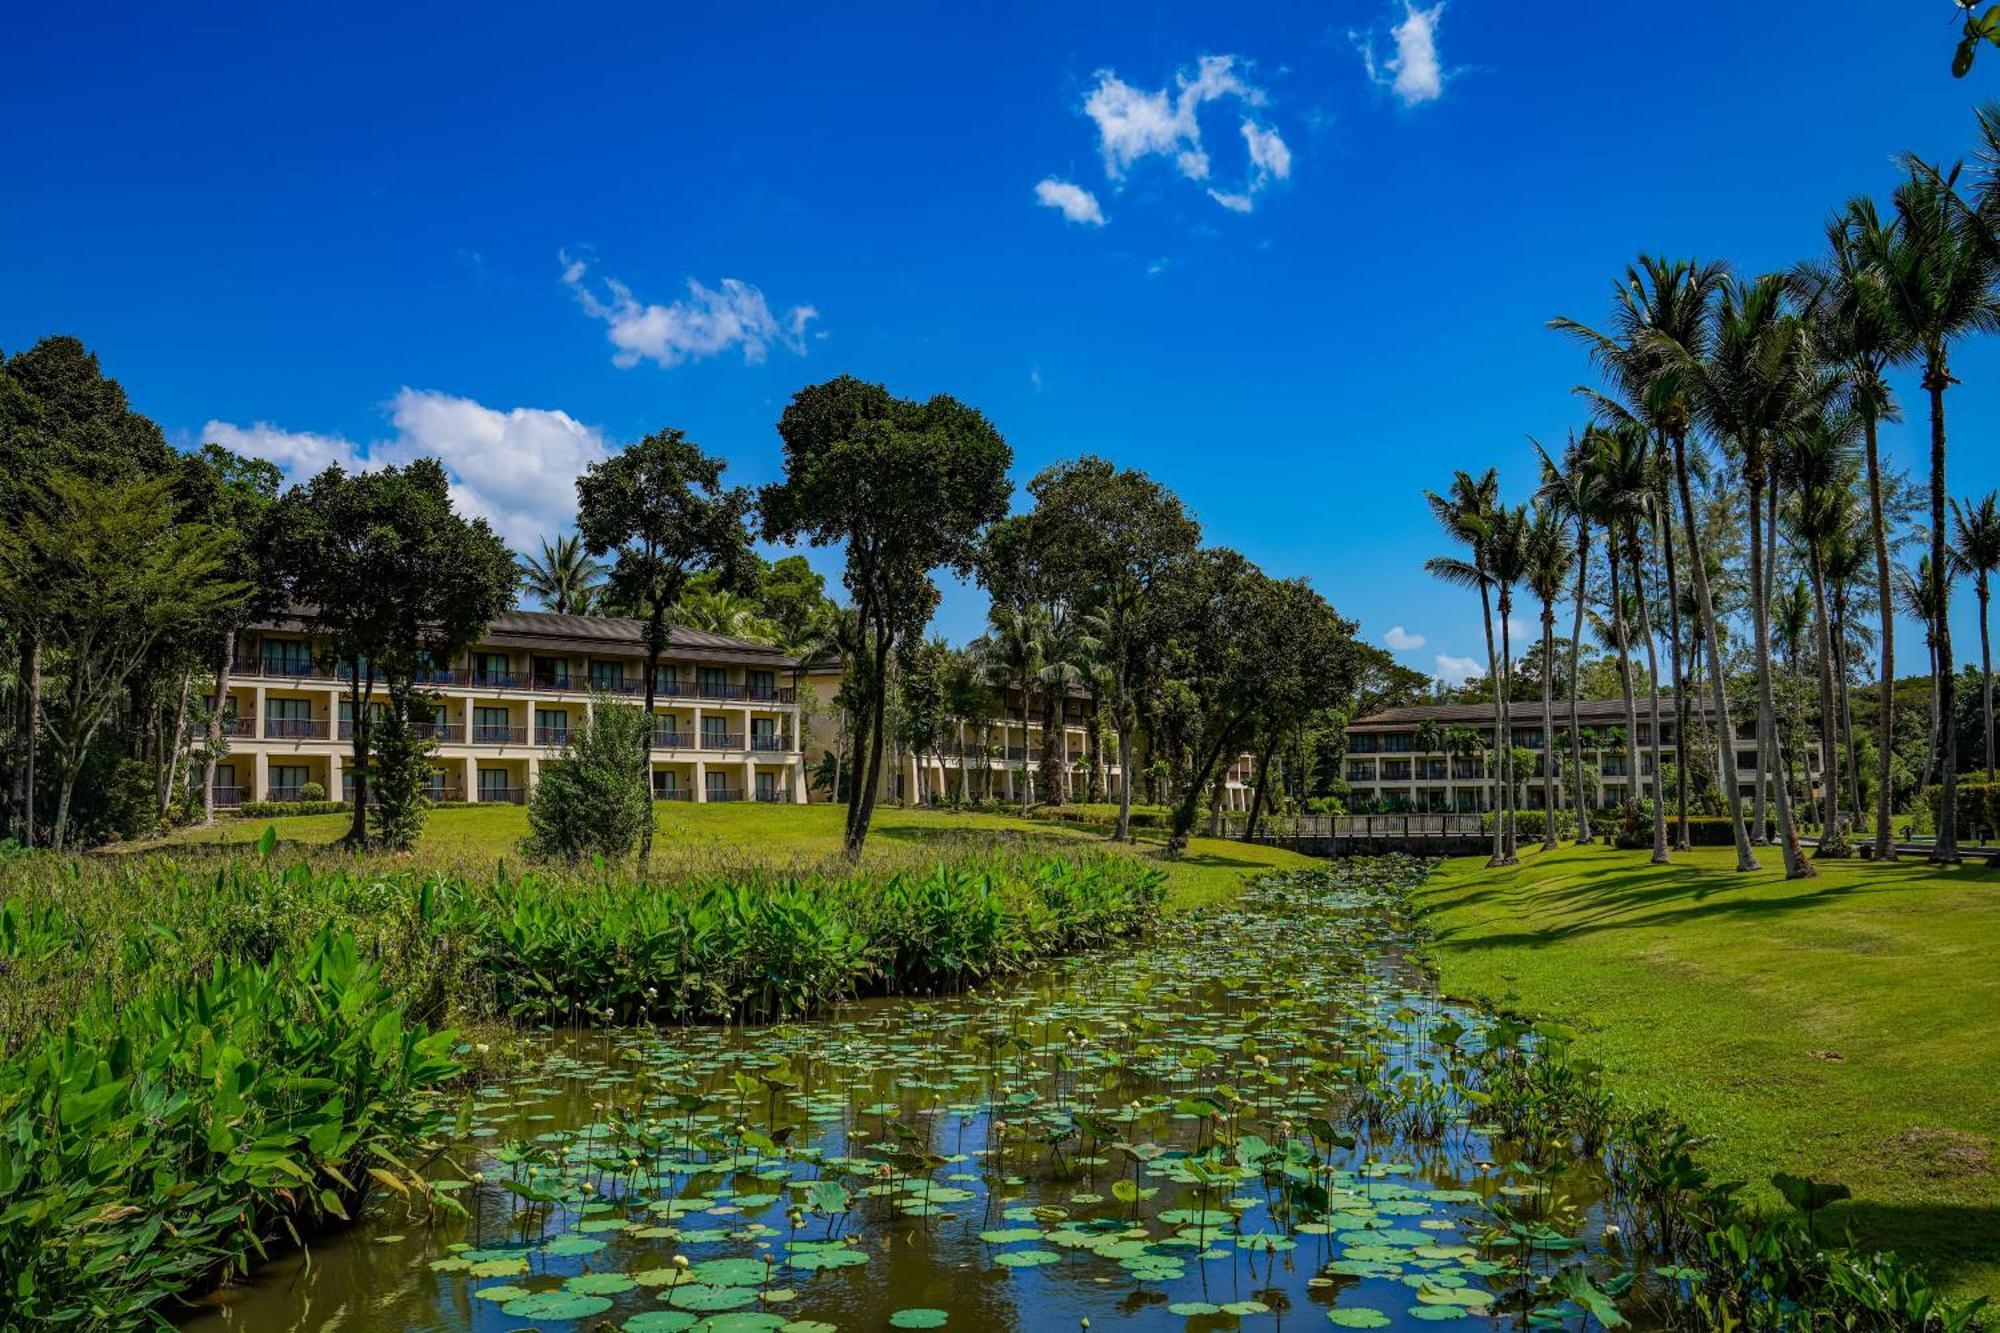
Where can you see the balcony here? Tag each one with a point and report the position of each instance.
(544, 680)
(227, 798)
(725, 794)
(773, 796)
(721, 740)
(239, 726)
(767, 742)
(274, 669)
(664, 739)
(673, 794)
(552, 735)
(498, 735)
(296, 729)
(447, 732)
(503, 795)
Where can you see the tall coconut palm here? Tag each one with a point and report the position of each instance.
(1465, 512)
(1013, 660)
(1566, 489)
(563, 577)
(1547, 558)
(1507, 550)
(1849, 560)
(1753, 386)
(1626, 491)
(1917, 595)
(1821, 467)
(1845, 296)
(1975, 551)
(1938, 282)
(1660, 328)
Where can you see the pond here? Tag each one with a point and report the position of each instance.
(1258, 1118)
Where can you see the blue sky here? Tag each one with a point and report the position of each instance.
(1294, 260)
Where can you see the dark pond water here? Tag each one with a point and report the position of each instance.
(1155, 1140)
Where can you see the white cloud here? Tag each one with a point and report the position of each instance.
(1413, 73)
(705, 323)
(1136, 123)
(1456, 670)
(1076, 203)
(515, 468)
(1402, 640)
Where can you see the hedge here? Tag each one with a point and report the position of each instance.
(1978, 806)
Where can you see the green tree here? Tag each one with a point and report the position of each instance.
(1547, 558)
(396, 581)
(923, 718)
(1566, 490)
(1975, 551)
(1010, 654)
(563, 577)
(1822, 469)
(589, 801)
(58, 413)
(1938, 285)
(1307, 666)
(1465, 512)
(111, 570)
(659, 508)
(908, 488)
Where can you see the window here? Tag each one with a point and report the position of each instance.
(607, 675)
(666, 783)
(714, 732)
(1395, 770)
(1398, 742)
(667, 679)
(763, 733)
(551, 726)
(551, 673)
(434, 785)
(1362, 771)
(286, 779)
(288, 719)
(718, 786)
(287, 657)
(767, 786)
(491, 725)
(490, 669)
(714, 681)
(763, 684)
(493, 785)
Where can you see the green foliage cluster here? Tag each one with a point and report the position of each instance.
(1978, 808)
(591, 800)
(282, 809)
(772, 946)
(1534, 823)
(159, 1140)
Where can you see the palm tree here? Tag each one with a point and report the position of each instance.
(1821, 467)
(1845, 296)
(1938, 284)
(1753, 387)
(563, 578)
(1849, 559)
(1624, 495)
(1548, 558)
(1566, 488)
(1067, 652)
(1660, 332)
(1013, 660)
(720, 611)
(1975, 550)
(1918, 595)
(1465, 512)
(1792, 631)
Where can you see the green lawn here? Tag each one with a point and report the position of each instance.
(738, 833)
(1845, 1027)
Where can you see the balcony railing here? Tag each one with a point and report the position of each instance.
(498, 735)
(725, 793)
(673, 794)
(529, 680)
(239, 726)
(774, 796)
(448, 732)
(227, 798)
(295, 729)
(502, 795)
(552, 735)
(773, 741)
(721, 740)
(664, 739)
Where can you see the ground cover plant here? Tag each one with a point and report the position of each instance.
(1832, 1029)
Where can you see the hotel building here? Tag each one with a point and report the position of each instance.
(1389, 769)
(726, 719)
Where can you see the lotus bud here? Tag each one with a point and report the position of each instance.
(681, 1262)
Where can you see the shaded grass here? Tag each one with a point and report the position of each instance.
(1842, 1027)
(746, 834)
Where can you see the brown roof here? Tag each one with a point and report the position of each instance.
(1588, 711)
(604, 636)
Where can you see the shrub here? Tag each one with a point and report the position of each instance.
(280, 809)
(312, 793)
(592, 800)
(1533, 823)
(401, 771)
(1978, 809)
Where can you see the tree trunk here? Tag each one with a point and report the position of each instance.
(1796, 865)
(1263, 781)
(224, 662)
(1499, 857)
(1622, 645)
(360, 693)
(1946, 850)
(1123, 831)
(1683, 837)
(1549, 764)
(1055, 739)
(1508, 780)
(31, 654)
(1829, 758)
(1885, 713)
(879, 689)
(1845, 702)
(174, 746)
(1575, 666)
(1746, 859)
(654, 635)
(1660, 856)
(1986, 674)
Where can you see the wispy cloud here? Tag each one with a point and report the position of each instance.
(1402, 640)
(1455, 670)
(1135, 123)
(706, 322)
(1072, 200)
(1413, 72)
(516, 467)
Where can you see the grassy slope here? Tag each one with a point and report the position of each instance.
(1725, 996)
(737, 833)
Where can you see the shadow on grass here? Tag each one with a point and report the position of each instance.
(1957, 1244)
